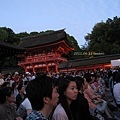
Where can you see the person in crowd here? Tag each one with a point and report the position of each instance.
(5, 84)
(89, 89)
(110, 80)
(7, 109)
(8, 78)
(99, 87)
(95, 101)
(94, 83)
(1, 79)
(116, 90)
(43, 97)
(16, 77)
(21, 96)
(33, 75)
(67, 93)
(80, 106)
(14, 87)
(24, 109)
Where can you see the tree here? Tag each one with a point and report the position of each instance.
(3, 34)
(105, 37)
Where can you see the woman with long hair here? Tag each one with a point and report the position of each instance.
(68, 91)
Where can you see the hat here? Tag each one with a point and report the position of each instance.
(16, 73)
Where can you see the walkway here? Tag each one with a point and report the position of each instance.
(115, 112)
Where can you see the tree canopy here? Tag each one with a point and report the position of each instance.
(105, 37)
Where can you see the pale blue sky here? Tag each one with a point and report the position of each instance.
(77, 16)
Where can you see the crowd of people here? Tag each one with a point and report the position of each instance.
(77, 95)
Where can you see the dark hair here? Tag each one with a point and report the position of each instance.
(5, 84)
(6, 91)
(19, 86)
(26, 82)
(93, 75)
(79, 81)
(87, 76)
(117, 77)
(62, 86)
(14, 85)
(39, 88)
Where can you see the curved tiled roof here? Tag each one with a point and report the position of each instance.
(7, 49)
(39, 40)
(89, 61)
(8, 45)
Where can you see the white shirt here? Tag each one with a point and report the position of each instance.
(116, 92)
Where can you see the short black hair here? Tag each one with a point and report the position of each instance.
(5, 84)
(6, 91)
(37, 89)
(20, 85)
(87, 76)
(117, 78)
(14, 85)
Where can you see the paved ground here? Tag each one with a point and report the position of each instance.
(115, 112)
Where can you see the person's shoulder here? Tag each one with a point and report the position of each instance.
(13, 105)
(117, 85)
(59, 109)
(18, 95)
(2, 107)
(26, 100)
(35, 115)
(2, 111)
(59, 113)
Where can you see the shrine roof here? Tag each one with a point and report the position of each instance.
(39, 40)
(10, 46)
(7, 49)
(89, 61)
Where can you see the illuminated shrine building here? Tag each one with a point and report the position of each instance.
(44, 52)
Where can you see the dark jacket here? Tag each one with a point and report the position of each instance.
(80, 108)
(19, 99)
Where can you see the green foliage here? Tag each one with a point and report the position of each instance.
(73, 42)
(3, 34)
(34, 33)
(7, 35)
(19, 36)
(105, 37)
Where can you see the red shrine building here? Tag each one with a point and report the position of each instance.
(44, 52)
(86, 64)
(41, 53)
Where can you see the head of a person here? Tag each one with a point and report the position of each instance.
(14, 85)
(68, 91)
(21, 88)
(117, 78)
(42, 92)
(97, 78)
(93, 77)
(81, 83)
(6, 94)
(16, 74)
(87, 77)
(5, 84)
